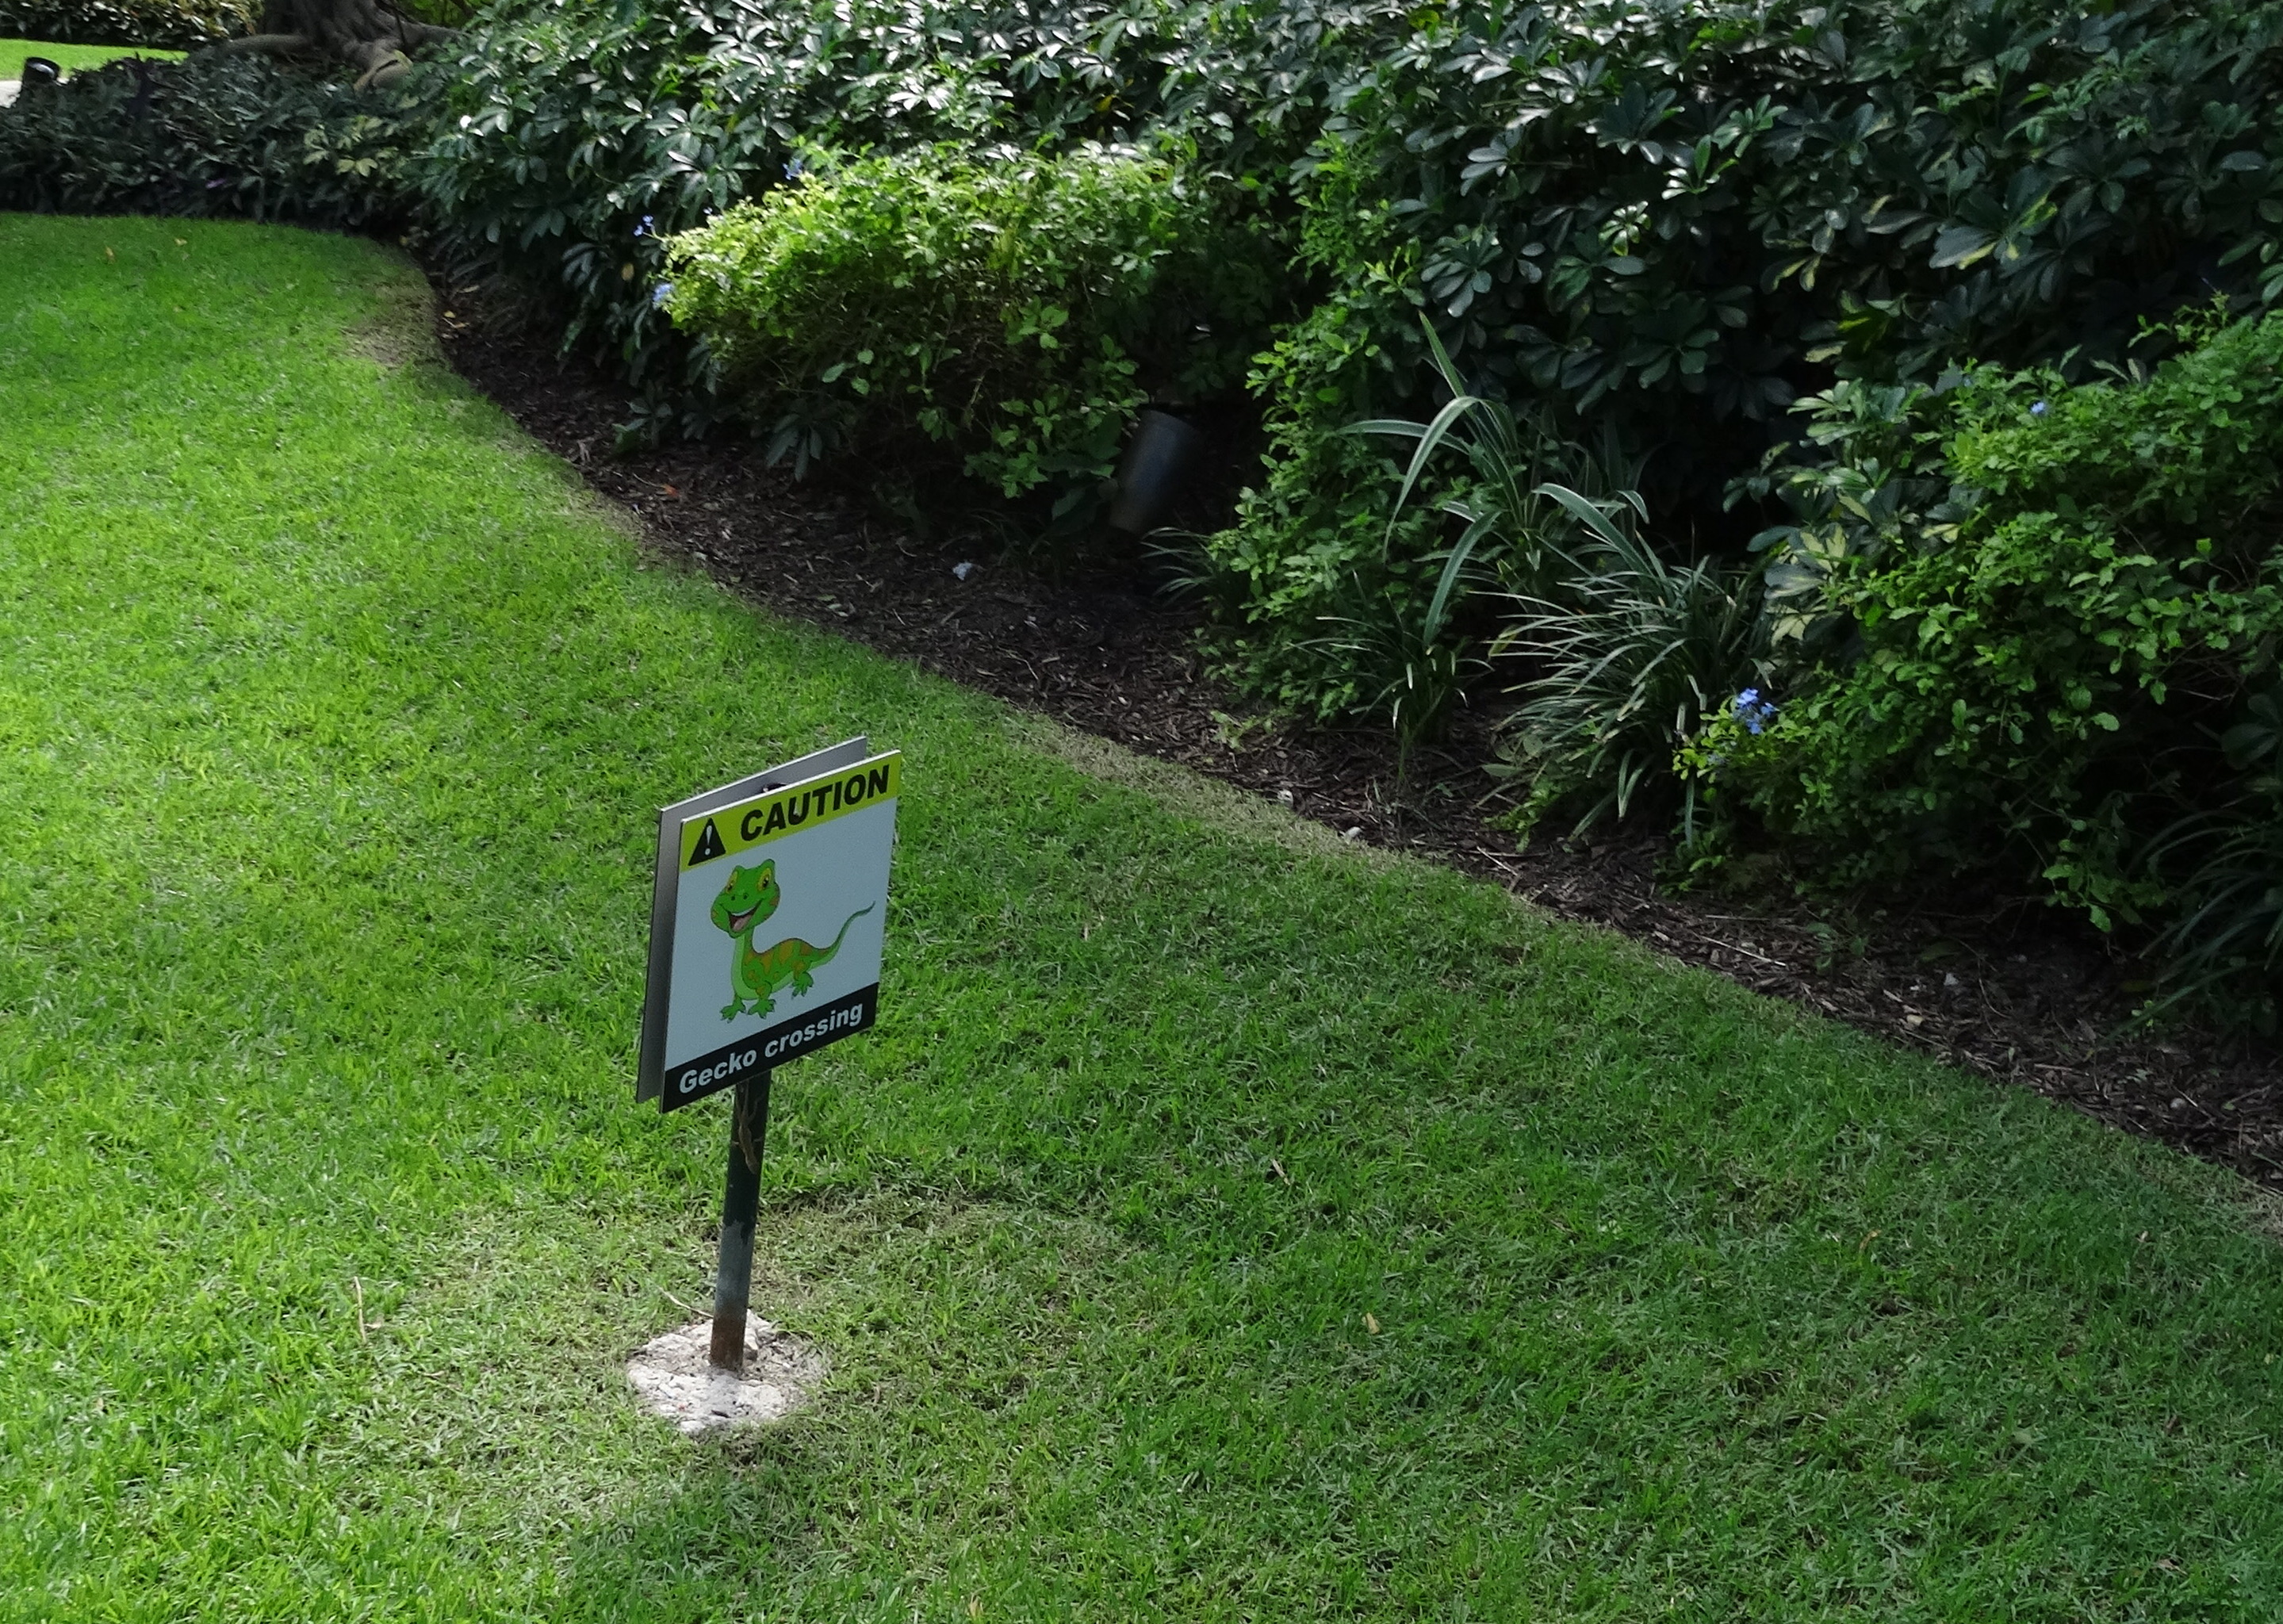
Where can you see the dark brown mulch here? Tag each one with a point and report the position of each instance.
(2003, 986)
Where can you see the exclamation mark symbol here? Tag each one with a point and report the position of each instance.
(709, 847)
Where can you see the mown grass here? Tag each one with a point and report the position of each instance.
(334, 716)
(70, 58)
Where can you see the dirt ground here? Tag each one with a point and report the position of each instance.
(2001, 985)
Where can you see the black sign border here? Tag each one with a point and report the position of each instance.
(770, 1046)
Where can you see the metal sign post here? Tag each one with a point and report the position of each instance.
(741, 1203)
(796, 857)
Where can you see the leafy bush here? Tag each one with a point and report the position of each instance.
(578, 139)
(1669, 218)
(1659, 221)
(2043, 669)
(167, 25)
(1016, 311)
(1670, 221)
(211, 135)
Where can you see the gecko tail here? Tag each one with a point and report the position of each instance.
(826, 955)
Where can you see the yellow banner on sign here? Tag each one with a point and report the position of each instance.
(781, 812)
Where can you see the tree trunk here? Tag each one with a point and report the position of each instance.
(369, 36)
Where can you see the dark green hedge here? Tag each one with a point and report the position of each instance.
(166, 25)
(214, 135)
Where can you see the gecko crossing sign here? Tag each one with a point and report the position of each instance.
(767, 922)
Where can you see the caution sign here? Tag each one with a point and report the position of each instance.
(768, 920)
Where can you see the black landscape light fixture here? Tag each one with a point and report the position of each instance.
(1159, 461)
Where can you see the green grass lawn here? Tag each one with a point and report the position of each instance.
(335, 713)
(71, 58)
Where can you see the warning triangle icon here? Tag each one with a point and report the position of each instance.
(709, 846)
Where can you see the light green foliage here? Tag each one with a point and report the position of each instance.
(1015, 311)
(576, 139)
(332, 718)
(2042, 661)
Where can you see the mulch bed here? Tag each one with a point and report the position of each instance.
(1999, 986)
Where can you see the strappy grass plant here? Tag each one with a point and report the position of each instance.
(2223, 950)
(1623, 668)
(1416, 658)
(1625, 652)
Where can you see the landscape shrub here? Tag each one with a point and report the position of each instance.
(2055, 644)
(165, 24)
(1670, 221)
(577, 139)
(1016, 311)
(231, 136)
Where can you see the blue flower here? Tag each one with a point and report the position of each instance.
(1754, 712)
(793, 170)
(2037, 411)
(660, 294)
(644, 227)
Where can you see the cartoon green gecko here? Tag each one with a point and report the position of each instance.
(755, 973)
